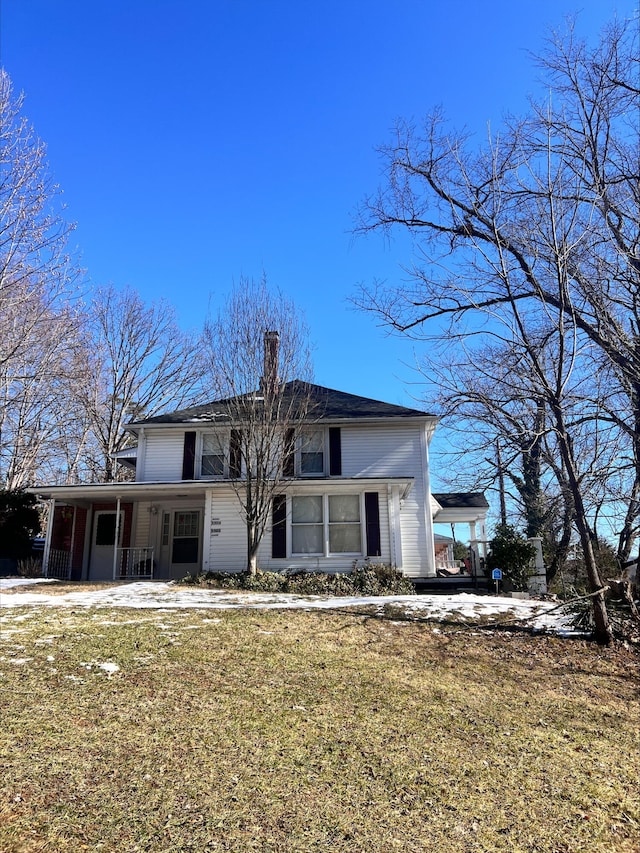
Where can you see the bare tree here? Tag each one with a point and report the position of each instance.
(138, 363)
(260, 367)
(37, 386)
(37, 290)
(537, 230)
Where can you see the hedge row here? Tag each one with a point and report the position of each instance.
(373, 579)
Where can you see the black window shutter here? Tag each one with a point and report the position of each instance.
(279, 526)
(288, 462)
(189, 456)
(335, 451)
(235, 455)
(372, 522)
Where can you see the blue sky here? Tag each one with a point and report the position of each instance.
(199, 141)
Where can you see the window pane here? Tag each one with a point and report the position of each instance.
(311, 463)
(312, 452)
(306, 509)
(106, 529)
(306, 539)
(344, 508)
(212, 466)
(186, 523)
(344, 538)
(212, 444)
(313, 441)
(184, 551)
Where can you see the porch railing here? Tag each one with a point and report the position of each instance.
(58, 565)
(450, 566)
(134, 563)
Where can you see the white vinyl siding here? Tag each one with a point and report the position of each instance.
(368, 451)
(395, 451)
(163, 457)
(381, 451)
(227, 534)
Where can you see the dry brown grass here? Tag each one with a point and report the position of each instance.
(308, 731)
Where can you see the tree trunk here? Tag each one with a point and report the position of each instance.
(252, 562)
(602, 633)
(253, 543)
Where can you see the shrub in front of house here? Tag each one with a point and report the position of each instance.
(371, 579)
(510, 552)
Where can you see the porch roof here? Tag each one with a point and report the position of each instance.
(449, 508)
(198, 488)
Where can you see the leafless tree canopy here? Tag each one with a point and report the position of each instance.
(73, 366)
(260, 365)
(529, 244)
(139, 364)
(37, 293)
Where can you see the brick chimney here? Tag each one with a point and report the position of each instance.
(270, 368)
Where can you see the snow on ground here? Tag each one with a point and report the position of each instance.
(168, 596)
(7, 583)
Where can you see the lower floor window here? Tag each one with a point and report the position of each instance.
(326, 524)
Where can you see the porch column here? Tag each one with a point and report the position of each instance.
(116, 538)
(394, 527)
(537, 583)
(47, 541)
(473, 548)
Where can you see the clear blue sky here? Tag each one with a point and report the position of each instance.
(202, 140)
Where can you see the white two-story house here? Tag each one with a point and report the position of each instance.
(356, 487)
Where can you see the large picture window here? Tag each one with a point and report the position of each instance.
(326, 524)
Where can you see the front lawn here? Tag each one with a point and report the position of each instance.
(296, 731)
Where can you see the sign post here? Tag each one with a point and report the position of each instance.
(496, 575)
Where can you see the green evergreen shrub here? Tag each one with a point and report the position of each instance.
(19, 523)
(511, 552)
(370, 579)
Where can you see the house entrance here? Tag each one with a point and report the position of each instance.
(181, 551)
(102, 544)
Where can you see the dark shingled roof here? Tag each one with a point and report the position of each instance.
(453, 500)
(326, 404)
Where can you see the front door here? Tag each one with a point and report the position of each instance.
(181, 542)
(102, 544)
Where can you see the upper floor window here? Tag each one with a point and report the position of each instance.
(311, 453)
(212, 462)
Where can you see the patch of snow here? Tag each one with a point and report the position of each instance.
(168, 597)
(9, 583)
(109, 667)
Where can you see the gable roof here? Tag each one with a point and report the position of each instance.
(326, 404)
